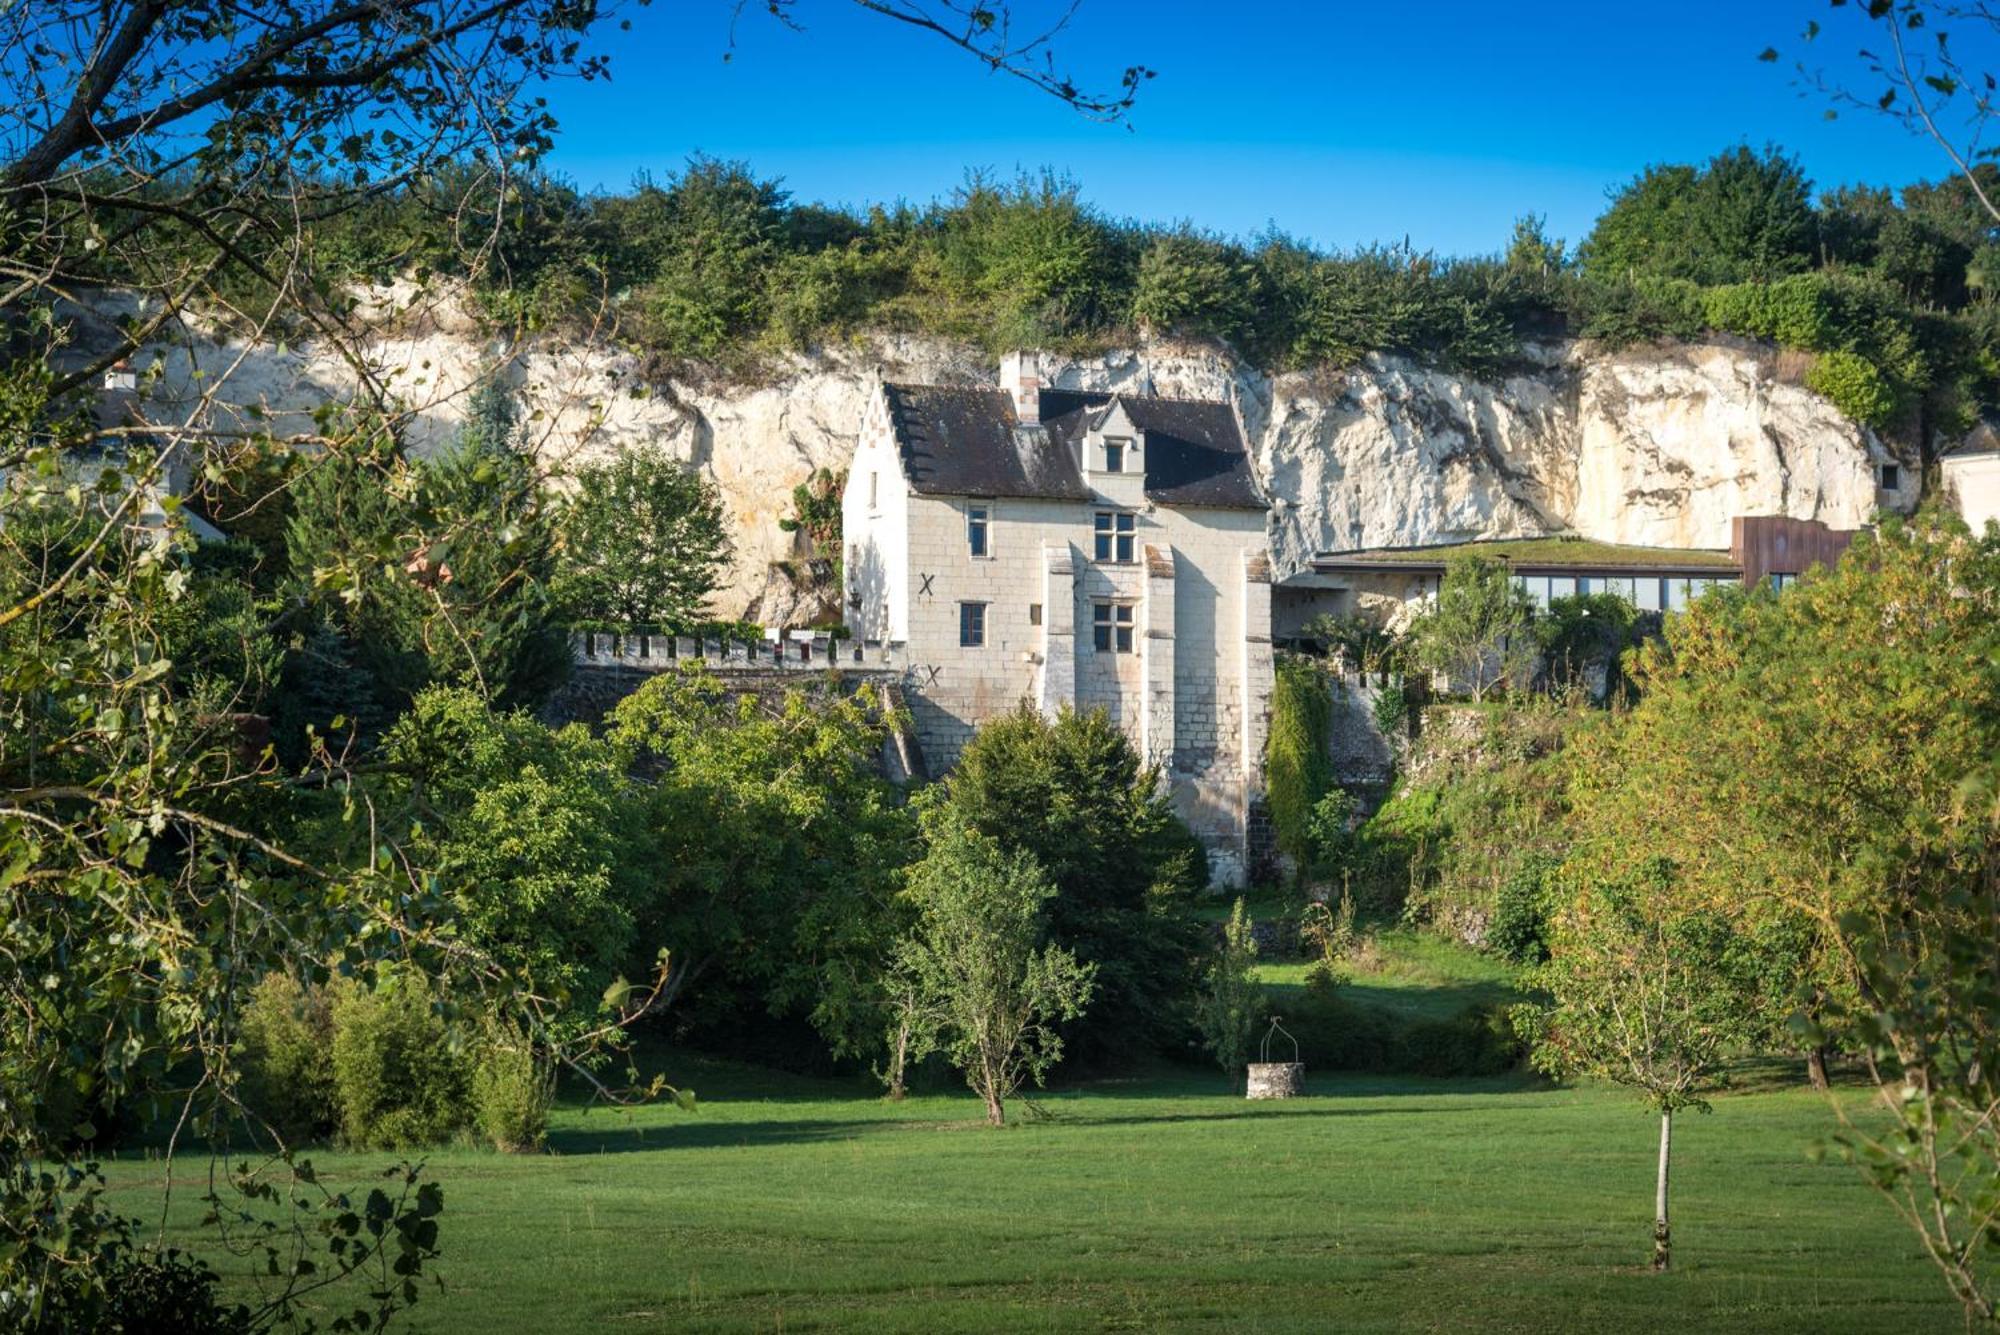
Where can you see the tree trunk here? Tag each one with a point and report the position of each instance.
(996, 1113)
(1662, 1238)
(897, 1057)
(1816, 1067)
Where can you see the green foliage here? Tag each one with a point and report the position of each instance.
(1297, 771)
(643, 543)
(513, 1088)
(535, 835)
(1855, 387)
(1189, 283)
(1039, 261)
(976, 952)
(1231, 1007)
(1359, 641)
(1392, 710)
(716, 235)
(1478, 631)
(816, 512)
(773, 845)
(404, 1080)
(1742, 215)
(170, 1293)
(1074, 795)
(286, 1053)
(1521, 911)
(1586, 632)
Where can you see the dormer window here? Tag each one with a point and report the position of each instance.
(1114, 454)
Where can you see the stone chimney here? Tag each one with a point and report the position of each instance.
(1021, 377)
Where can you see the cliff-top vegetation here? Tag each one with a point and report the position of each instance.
(1889, 290)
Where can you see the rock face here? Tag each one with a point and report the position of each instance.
(1650, 446)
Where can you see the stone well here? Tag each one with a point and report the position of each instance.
(1276, 1080)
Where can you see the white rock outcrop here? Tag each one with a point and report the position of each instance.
(1651, 446)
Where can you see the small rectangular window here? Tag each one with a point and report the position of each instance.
(1892, 477)
(975, 529)
(1101, 532)
(1111, 627)
(1114, 456)
(971, 625)
(874, 490)
(1126, 524)
(1034, 614)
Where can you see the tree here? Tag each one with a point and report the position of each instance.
(1074, 794)
(1742, 215)
(1654, 995)
(1587, 633)
(1194, 284)
(535, 834)
(1812, 741)
(1478, 631)
(1228, 1012)
(977, 954)
(643, 543)
(775, 847)
(1928, 1036)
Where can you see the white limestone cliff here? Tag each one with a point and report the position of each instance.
(1652, 446)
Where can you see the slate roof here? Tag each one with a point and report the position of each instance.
(967, 442)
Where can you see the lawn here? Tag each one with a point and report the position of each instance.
(1159, 1203)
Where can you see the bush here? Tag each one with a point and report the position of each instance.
(1851, 382)
(1193, 284)
(286, 1048)
(1478, 1041)
(1520, 926)
(512, 1091)
(1297, 771)
(403, 1081)
(169, 1293)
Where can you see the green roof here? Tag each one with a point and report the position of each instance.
(1580, 553)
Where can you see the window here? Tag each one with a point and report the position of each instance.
(975, 529)
(971, 625)
(1780, 580)
(1114, 456)
(1034, 614)
(874, 490)
(1113, 533)
(1111, 627)
(1892, 477)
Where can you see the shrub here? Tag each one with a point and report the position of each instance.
(286, 1048)
(402, 1079)
(169, 1293)
(1193, 284)
(1520, 926)
(1392, 710)
(1297, 771)
(1851, 382)
(512, 1090)
(1477, 1041)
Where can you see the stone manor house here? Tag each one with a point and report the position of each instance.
(1059, 547)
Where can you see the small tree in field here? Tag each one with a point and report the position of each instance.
(1654, 996)
(977, 962)
(1479, 630)
(1228, 1010)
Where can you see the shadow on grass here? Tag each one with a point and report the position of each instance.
(1061, 1107)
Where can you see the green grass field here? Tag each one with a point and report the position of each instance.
(1158, 1204)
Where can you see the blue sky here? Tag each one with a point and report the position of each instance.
(1341, 122)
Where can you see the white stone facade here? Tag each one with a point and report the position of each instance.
(1972, 483)
(1187, 674)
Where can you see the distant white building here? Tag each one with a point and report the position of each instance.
(1971, 477)
(1072, 548)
